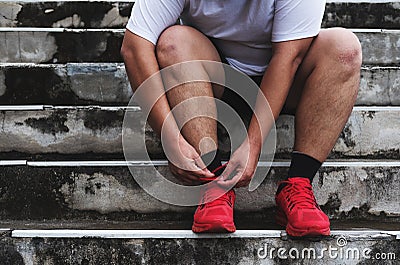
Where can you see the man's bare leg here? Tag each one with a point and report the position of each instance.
(324, 91)
(180, 44)
(322, 98)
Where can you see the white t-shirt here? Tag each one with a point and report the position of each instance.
(242, 30)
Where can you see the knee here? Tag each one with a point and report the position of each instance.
(345, 48)
(171, 44)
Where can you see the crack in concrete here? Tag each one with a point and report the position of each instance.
(5, 17)
(100, 87)
(359, 127)
(19, 46)
(3, 121)
(5, 41)
(388, 89)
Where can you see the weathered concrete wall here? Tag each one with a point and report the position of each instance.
(64, 84)
(27, 47)
(354, 191)
(207, 251)
(379, 83)
(104, 46)
(369, 128)
(61, 47)
(115, 14)
(380, 47)
(9, 13)
(64, 131)
(353, 15)
(107, 83)
(65, 14)
(368, 133)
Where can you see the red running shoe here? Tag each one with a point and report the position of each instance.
(298, 210)
(217, 215)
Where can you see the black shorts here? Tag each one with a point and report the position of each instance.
(237, 102)
(234, 100)
(240, 105)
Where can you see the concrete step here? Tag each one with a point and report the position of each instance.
(114, 14)
(105, 190)
(254, 222)
(183, 247)
(61, 45)
(107, 84)
(352, 14)
(71, 14)
(371, 132)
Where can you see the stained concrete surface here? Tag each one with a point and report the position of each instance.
(369, 133)
(107, 84)
(115, 14)
(197, 251)
(378, 47)
(348, 192)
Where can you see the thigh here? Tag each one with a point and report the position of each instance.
(330, 45)
(180, 43)
(183, 43)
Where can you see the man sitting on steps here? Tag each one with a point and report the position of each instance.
(301, 70)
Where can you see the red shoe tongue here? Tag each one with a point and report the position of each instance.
(213, 191)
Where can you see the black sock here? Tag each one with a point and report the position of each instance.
(303, 166)
(212, 160)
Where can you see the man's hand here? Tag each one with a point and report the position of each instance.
(243, 164)
(186, 164)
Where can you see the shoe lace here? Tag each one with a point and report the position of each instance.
(209, 198)
(299, 194)
(218, 169)
(210, 193)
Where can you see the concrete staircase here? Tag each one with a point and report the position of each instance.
(67, 196)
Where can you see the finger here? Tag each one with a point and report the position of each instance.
(242, 183)
(185, 182)
(190, 182)
(231, 182)
(200, 163)
(183, 175)
(199, 173)
(189, 176)
(192, 176)
(190, 168)
(228, 171)
(245, 180)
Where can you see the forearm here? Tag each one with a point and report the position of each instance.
(275, 86)
(141, 63)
